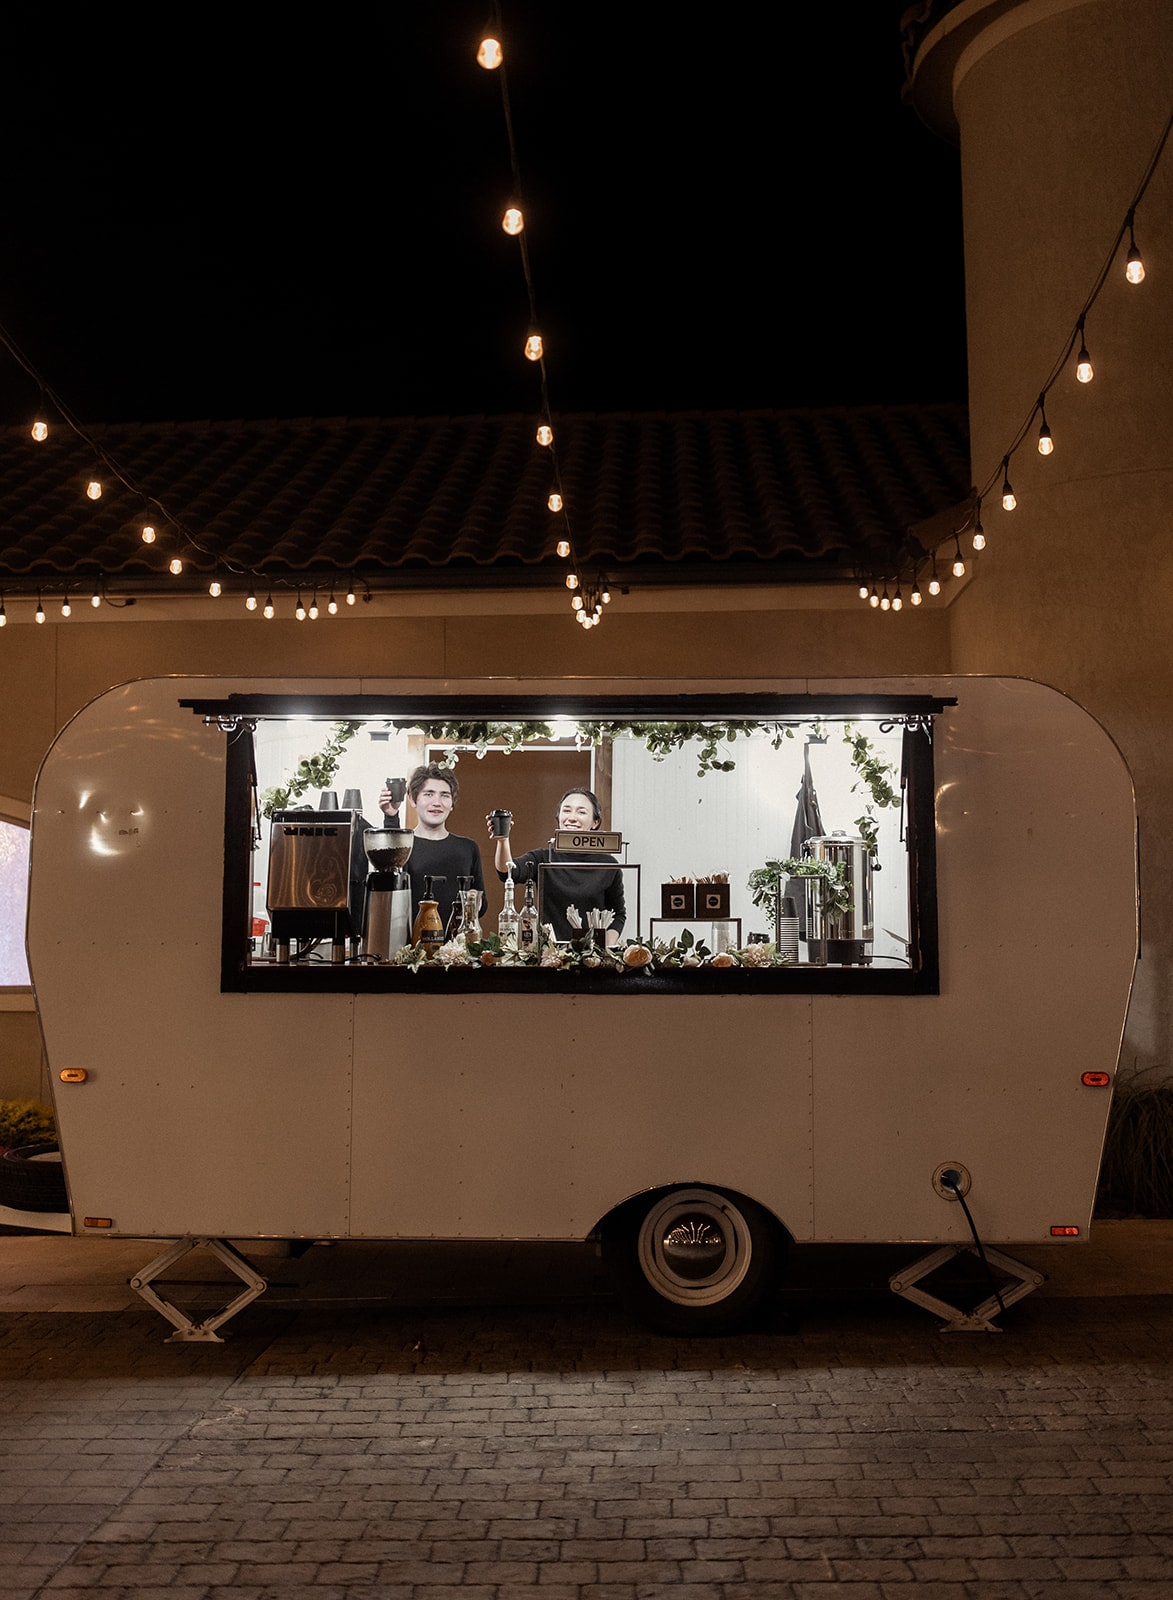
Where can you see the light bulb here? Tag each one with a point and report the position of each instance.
(251, 603)
(563, 548)
(314, 609)
(572, 580)
(576, 602)
(299, 610)
(958, 562)
(175, 566)
(606, 597)
(555, 502)
(916, 597)
(863, 591)
(1009, 498)
(885, 603)
(1046, 443)
(149, 535)
(1134, 271)
(66, 608)
(350, 593)
(96, 597)
(898, 601)
(40, 430)
(873, 598)
(3, 616)
(1084, 370)
(489, 54)
(214, 589)
(979, 537)
(934, 584)
(545, 434)
(513, 221)
(94, 489)
(268, 611)
(533, 347)
(40, 611)
(332, 605)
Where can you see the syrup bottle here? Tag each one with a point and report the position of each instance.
(428, 929)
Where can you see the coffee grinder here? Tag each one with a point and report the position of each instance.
(387, 924)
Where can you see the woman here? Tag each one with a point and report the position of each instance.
(589, 888)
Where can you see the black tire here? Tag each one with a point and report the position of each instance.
(694, 1260)
(33, 1179)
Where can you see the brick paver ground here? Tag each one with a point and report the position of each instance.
(561, 1452)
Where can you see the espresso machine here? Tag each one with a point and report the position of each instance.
(316, 879)
(387, 924)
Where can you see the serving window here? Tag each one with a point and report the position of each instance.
(764, 843)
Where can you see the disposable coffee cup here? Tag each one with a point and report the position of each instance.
(502, 821)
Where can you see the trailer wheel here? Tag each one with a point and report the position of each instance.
(33, 1179)
(695, 1260)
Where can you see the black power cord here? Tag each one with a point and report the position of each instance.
(951, 1180)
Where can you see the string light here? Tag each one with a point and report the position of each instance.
(1009, 499)
(214, 589)
(554, 502)
(1133, 266)
(545, 435)
(93, 489)
(490, 54)
(40, 430)
(1046, 443)
(513, 221)
(251, 603)
(934, 581)
(958, 559)
(572, 580)
(979, 534)
(563, 548)
(534, 349)
(40, 611)
(605, 597)
(268, 611)
(332, 604)
(314, 605)
(3, 614)
(898, 598)
(873, 598)
(299, 609)
(576, 603)
(1084, 370)
(350, 593)
(916, 597)
(885, 602)
(149, 534)
(175, 566)
(66, 608)
(96, 597)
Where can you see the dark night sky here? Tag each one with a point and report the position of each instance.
(283, 213)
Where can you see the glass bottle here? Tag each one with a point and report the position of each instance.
(507, 920)
(527, 923)
(470, 910)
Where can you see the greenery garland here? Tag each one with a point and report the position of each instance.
(312, 772)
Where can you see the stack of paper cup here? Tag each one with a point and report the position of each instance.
(786, 942)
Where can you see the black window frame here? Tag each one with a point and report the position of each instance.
(237, 715)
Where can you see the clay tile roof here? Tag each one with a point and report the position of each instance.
(780, 494)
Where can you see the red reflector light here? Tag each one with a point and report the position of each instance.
(1096, 1080)
(1064, 1233)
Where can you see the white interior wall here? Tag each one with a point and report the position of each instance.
(677, 824)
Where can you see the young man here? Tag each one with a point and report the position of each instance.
(436, 853)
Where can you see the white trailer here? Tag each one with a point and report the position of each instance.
(696, 1131)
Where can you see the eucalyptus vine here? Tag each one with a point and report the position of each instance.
(312, 772)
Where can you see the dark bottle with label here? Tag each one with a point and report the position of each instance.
(429, 929)
(527, 923)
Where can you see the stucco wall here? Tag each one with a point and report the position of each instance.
(1060, 107)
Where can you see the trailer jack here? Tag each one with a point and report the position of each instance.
(187, 1330)
(981, 1318)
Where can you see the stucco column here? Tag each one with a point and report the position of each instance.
(1058, 105)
